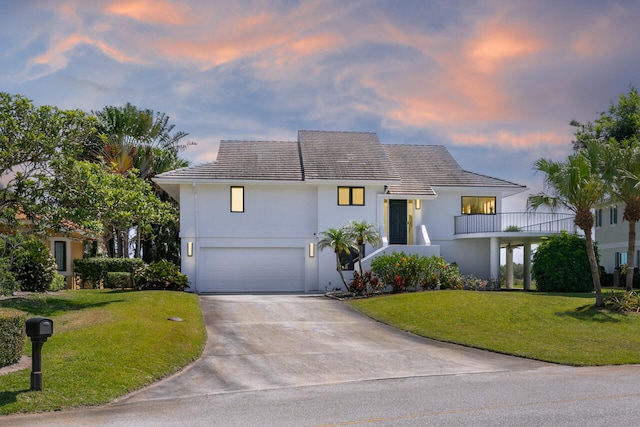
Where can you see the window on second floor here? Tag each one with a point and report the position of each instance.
(350, 196)
(613, 215)
(598, 217)
(473, 205)
(237, 199)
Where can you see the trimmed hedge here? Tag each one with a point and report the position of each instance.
(12, 336)
(161, 275)
(118, 279)
(93, 271)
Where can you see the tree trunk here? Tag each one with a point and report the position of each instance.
(138, 242)
(630, 255)
(339, 269)
(593, 263)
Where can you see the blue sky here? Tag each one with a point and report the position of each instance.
(496, 82)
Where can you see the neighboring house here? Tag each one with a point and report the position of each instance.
(251, 220)
(612, 235)
(65, 247)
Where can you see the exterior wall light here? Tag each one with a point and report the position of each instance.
(418, 203)
(312, 250)
(189, 248)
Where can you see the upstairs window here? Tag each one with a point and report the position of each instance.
(237, 199)
(598, 217)
(350, 196)
(613, 215)
(478, 205)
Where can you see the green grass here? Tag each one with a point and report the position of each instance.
(560, 328)
(105, 344)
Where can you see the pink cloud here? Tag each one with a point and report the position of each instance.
(56, 57)
(494, 45)
(512, 140)
(151, 11)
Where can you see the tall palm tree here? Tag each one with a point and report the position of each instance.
(576, 185)
(621, 168)
(363, 233)
(339, 241)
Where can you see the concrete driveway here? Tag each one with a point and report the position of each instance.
(259, 342)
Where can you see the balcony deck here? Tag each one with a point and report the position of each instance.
(538, 223)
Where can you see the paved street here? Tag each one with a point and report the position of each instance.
(301, 360)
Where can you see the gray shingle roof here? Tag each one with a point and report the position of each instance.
(328, 155)
(345, 156)
(423, 167)
(259, 160)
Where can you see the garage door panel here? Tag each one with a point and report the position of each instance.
(251, 270)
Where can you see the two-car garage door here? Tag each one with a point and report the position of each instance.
(251, 270)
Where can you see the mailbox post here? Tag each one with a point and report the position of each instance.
(38, 329)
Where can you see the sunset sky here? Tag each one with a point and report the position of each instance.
(496, 82)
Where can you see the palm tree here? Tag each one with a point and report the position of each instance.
(340, 241)
(576, 185)
(363, 233)
(621, 168)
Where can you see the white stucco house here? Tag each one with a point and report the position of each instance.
(251, 220)
(612, 235)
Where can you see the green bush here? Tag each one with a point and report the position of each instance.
(93, 271)
(405, 272)
(161, 275)
(560, 264)
(59, 283)
(117, 279)
(32, 263)
(12, 336)
(8, 282)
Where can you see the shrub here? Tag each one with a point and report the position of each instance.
(560, 264)
(12, 336)
(59, 283)
(161, 275)
(627, 302)
(8, 282)
(93, 271)
(118, 279)
(32, 263)
(362, 284)
(398, 270)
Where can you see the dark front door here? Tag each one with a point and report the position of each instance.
(397, 222)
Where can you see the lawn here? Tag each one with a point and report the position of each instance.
(560, 328)
(105, 344)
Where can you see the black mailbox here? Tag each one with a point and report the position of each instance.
(39, 327)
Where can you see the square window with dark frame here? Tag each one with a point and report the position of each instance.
(350, 196)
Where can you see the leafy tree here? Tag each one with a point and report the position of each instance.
(339, 241)
(576, 185)
(93, 198)
(143, 140)
(621, 169)
(363, 233)
(618, 131)
(30, 138)
(136, 138)
(560, 264)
